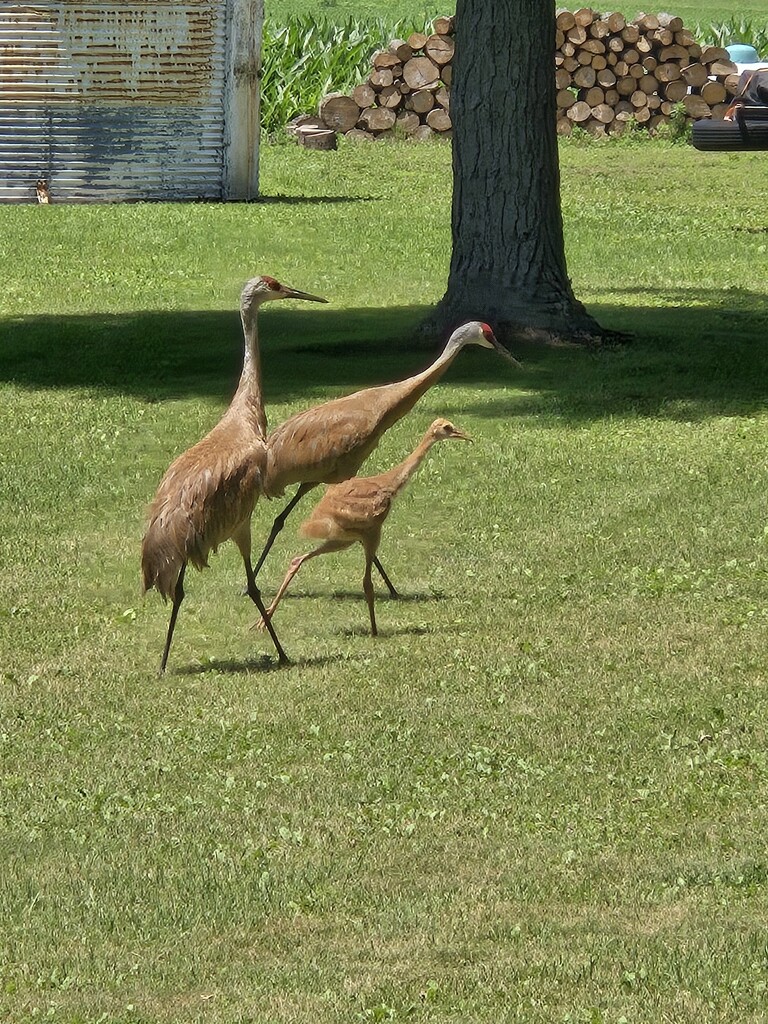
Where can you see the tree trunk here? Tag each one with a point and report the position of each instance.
(508, 261)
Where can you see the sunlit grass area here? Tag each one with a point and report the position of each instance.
(540, 795)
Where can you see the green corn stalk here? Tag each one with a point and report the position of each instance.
(735, 30)
(306, 58)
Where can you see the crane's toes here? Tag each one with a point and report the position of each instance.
(260, 624)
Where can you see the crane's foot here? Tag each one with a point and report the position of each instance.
(265, 620)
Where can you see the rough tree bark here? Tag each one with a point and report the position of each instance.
(508, 260)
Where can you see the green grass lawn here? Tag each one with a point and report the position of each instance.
(540, 795)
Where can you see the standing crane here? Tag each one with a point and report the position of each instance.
(354, 511)
(208, 493)
(329, 443)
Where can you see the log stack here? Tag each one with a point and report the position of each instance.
(609, 73)
(407, 90)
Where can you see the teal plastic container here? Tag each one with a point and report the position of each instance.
(743, 53)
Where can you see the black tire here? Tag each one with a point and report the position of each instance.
(725, 136)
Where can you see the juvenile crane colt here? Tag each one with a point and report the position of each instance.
(354, 511)
(208, 493)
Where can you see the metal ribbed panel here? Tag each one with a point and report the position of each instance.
(112, 101)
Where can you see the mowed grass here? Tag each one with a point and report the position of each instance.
(541, 794)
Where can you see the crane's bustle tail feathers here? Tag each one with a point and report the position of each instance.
(161, 563)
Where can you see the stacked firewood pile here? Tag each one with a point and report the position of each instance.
(407, 90)
(609, 72)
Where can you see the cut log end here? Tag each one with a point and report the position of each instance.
(316, 138)
(339, 112)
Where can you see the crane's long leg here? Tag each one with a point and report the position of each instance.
(368, 589)
(279, 522)
(293, 568)
(242, 537)
(178, 597)
(387, 581)
(255, 596)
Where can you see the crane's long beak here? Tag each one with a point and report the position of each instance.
(461, 436)
(293, 293)
(506, 354)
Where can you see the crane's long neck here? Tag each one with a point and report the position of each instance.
(400, 475)
(410, 391)
(249, 393)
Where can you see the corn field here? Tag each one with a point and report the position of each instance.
(304, 58)
(737, 30)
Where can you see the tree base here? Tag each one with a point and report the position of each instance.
(564, 324)
(592, 336)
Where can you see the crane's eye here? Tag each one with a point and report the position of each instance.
(271, 283)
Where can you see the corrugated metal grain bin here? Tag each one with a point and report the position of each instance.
(131, 100)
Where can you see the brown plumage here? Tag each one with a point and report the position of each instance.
(208, 493)
(354, 512)
(329, 443)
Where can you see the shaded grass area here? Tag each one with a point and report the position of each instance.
(541, 795)
(706, 369)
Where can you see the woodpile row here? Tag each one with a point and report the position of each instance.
(407, 90)
(609, 72)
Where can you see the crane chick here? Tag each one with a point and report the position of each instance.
(354, 512)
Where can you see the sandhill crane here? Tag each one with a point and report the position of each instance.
(354, 512)
(329, 443)
(208, 493)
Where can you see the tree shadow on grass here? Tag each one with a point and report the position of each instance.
(157, 356)
(706, 355)
(703, 353)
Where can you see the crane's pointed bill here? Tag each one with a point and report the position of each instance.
(505, 353)
(293, 293)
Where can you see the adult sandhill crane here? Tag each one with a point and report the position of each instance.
(208, 493)
(329, 443)
(354, 512)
